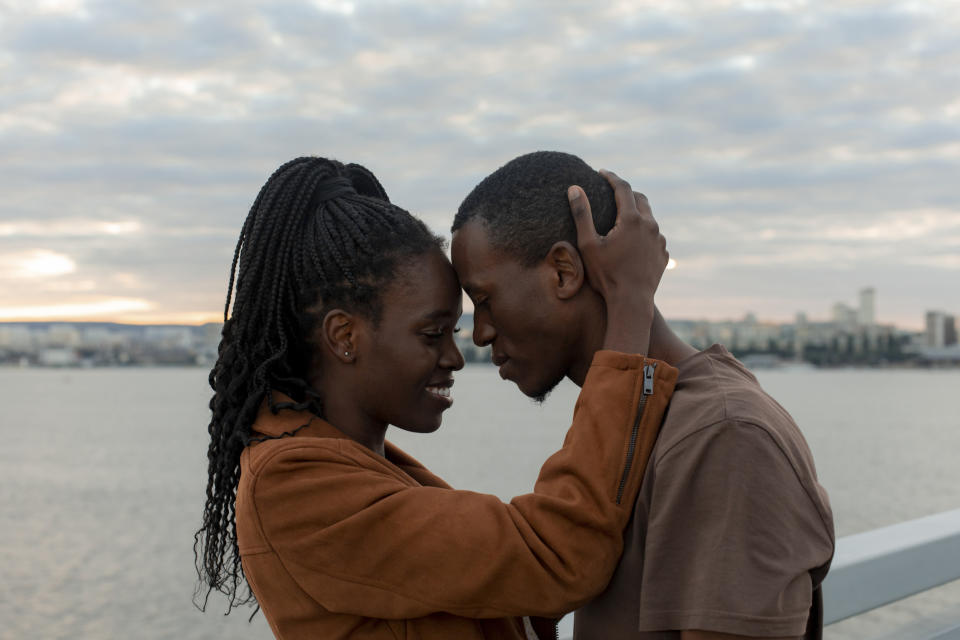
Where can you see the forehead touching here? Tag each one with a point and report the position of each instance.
(424, 288)
(480, 264)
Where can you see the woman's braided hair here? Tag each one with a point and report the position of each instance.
(320, 235)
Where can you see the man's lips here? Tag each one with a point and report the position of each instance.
(501, 362)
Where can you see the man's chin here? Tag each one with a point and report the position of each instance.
(538, 393)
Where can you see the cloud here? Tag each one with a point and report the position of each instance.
(69, 227)
(36, 263)
(777, 134)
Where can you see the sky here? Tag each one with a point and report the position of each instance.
(793, 152)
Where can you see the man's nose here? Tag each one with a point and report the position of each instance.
(483, 332)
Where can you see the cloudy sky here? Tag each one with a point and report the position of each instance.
(794, 152)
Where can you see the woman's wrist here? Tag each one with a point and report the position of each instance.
(628, 327)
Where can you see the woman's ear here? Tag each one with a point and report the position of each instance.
(567, 271)
(338, 331)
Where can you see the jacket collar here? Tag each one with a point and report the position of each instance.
(287, 421)
(302, 423)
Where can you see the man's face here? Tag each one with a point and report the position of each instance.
(515, 312)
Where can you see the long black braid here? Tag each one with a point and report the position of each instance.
(320, 235)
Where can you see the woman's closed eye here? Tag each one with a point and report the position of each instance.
(439, 332)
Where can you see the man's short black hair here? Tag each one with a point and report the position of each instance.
(524, 203)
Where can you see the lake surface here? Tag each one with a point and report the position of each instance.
(102, 474)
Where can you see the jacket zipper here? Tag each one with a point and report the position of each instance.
(648, 371)
(536, 633)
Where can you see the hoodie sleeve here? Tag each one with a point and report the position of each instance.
(363, 541)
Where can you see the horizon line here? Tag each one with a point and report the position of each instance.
(191, 320)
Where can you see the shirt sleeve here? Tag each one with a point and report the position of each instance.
(368, 543)
(732, 537)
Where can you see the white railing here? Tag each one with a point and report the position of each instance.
(878, 567)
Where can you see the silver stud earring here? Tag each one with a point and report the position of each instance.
(346, 353)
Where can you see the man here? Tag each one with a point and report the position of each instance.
(731, 534)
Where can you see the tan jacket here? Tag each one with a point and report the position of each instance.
(338, 542)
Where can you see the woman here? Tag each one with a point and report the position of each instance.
(342, 324)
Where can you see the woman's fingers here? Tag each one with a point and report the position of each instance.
(630, 258)
(582, 218)
(627, 205)
(641, 200)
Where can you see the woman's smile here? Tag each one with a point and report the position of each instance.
(441, 392)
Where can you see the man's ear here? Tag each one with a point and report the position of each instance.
(566, 269)
(339, 332)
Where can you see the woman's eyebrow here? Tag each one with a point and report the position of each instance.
(439, 314)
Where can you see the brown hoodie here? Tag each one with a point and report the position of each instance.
(339, 542)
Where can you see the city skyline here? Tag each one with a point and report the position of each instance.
(851, 337)
(793, 152)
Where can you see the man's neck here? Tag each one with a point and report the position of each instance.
(665, 345)
(593, 323)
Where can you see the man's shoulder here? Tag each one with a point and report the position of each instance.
(715, 391)
(720, 415)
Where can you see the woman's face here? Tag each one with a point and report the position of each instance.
(406, 371)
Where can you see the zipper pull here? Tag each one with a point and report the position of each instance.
(648, 370)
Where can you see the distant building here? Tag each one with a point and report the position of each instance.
(941, 329)
(170, 337)
(211, 333)
(844, 316)
(16, 337)
(866, 316)
(62, 335)
(58, 357)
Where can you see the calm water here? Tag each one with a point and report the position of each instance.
(102, 475)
